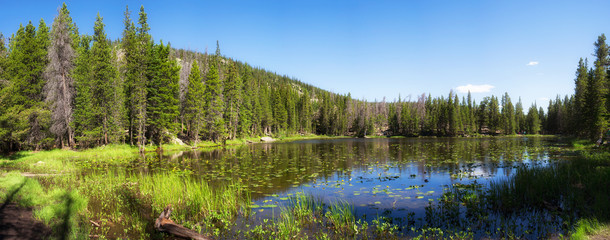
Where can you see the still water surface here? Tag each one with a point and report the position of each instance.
(390, 177)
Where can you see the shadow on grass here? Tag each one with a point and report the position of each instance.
(13, 156)
(65, 226)
(11, 195)
(141, 210)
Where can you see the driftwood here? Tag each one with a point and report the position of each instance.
(164, 224)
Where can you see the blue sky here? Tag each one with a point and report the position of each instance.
(372, 49)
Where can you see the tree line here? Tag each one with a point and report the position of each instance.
(59, 88)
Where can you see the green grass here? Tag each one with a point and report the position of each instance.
(61, 209)
(341, 217)
(127, 204)
(306, 207)
(582, 144)
(575, 189)
(585, 228)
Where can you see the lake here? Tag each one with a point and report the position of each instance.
(401, 179)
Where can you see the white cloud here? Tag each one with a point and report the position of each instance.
(475, 88)
(533, 63)
(543, 99)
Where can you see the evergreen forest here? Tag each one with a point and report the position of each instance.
(60, 88)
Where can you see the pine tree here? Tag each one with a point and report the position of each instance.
(533, 120)
(84, 119)
(3, 62)
(27, 61)
(265, 111)
(494, 114)
(162, 102)
(292, 118)
(72, 28)
(542, 116)
(597, 91)
(136, 44)
(232, 95)
(471, 112)
(280, 115)
(508, 115)
(245, 110)
(23, 116)
(214, 122)
(580, 97)
(453, 114)
(105, 87)
(193, 106)
(59, 87)
(43, 42)
(306, 112)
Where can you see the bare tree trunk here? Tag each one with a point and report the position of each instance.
(105, 130)
(70, 137)
(164, 224)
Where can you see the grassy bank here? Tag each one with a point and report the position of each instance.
(110, 201)
(109, 204)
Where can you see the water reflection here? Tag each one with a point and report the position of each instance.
(372, 174)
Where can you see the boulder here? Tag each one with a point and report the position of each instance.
(176, 140)
(267, 139)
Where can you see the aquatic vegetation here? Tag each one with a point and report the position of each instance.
(341, 217)
(328, 189)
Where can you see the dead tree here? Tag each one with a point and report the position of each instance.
(164, 224)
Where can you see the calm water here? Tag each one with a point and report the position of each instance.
(395, 178)
(376, 176)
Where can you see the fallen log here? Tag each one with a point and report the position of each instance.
(164, 224)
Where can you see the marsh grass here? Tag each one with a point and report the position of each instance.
(573, 189)
(127, 204)
(193, 199)
(340, 214)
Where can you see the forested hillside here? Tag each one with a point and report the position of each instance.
(59, 88)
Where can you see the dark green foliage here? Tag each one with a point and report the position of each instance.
(72, 28)
(519, 117)
(136, 46)
(533, 120)
(213, 106)
(106, 89)
(246, 105)
(27, 60)
(233, 99)
(193, 106)
(508, 115)
(135, 90)
(162, 102)
(24, 119)
(306, 113)
(280, 115)
(3, 62)
(596, 93)
(580, 94)
(84, 121)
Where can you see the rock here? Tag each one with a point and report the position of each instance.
(176, 140)
(267, 139)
